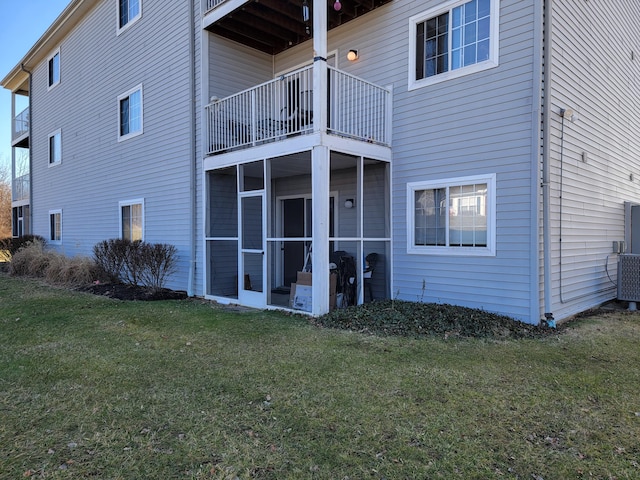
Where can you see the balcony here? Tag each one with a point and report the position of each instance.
(20, 129)
(21, 188)
(273, 26)
(283, 107)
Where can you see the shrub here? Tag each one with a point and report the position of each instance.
(73, 272)
(34, 260)
(31, 260)
(136, 263)
(110, 256)
(159, 261)
(12, 245)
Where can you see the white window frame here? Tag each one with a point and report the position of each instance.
(129, 203)
(494, 42)
(49, 60)
(489, 250)
(130, 21)
(58, 134)
(125, 95)
(51, 232)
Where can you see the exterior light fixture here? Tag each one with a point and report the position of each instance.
(352, 55)
(348, 203)
(305, 16)
(337, 6)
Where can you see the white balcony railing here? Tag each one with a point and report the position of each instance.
(283, 107)
(21, 188)
(211, 4)
(20, 125)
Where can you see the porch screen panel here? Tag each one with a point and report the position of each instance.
(223, 203)
(375, 199)
(222, 278)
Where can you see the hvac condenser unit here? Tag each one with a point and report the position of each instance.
(629, 277)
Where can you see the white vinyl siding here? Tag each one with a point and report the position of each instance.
(452, 40)
(452, 217)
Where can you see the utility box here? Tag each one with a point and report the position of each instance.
(629, 277)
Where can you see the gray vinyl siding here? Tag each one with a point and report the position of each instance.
(473, 125)
(97, 171)
(595, 71)
(234, 67)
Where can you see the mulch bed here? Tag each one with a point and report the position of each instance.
(131, 292)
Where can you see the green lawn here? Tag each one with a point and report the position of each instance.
(98, 388)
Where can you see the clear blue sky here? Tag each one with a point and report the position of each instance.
(22, 23)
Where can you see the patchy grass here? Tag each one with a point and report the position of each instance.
(92, 387)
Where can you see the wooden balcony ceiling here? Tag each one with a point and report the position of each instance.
(272, 26)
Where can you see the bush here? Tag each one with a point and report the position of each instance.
(110, 256)
(34, 260)
(159, 262)
(136, 263)
(12, 245)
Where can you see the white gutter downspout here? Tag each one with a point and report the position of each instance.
(546, 156)
(192, 163)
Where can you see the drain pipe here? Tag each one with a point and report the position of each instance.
(546, 157)
(194, 153)
(30, 149)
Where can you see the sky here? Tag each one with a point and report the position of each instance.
(22, 23)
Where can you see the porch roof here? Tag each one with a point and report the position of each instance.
(273, 26)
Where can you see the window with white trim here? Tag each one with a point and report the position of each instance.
(129, 11)
(130, 114)
(132, 219)
(452, 40)
(452, 217)
(55, 226)
(53, 66)
(55, 148)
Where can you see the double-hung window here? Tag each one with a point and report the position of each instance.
(458, 38)
(452, 217)
(55, 148)
(130, 113)
(132, 219)
(55, 227)
(53, 65)
(128, 12)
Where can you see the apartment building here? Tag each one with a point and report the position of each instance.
(474, 152)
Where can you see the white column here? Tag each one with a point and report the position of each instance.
(320, 164)
(320, 229)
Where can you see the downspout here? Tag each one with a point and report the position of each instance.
(30, 148)
(192, 163)
(546, 156)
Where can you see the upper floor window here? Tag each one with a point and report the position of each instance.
(452, 217)
(54, 69)
(453, 40)
(55, 226)
(55, 148)
(132, 220)
(130, 113)
(128, 12)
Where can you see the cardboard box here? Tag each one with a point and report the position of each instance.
(300, 297)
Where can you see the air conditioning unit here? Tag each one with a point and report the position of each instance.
(629, 277)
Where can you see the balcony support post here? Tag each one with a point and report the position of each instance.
(320, 82)
(320, 164)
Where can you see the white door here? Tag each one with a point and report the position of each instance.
(252, 262)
